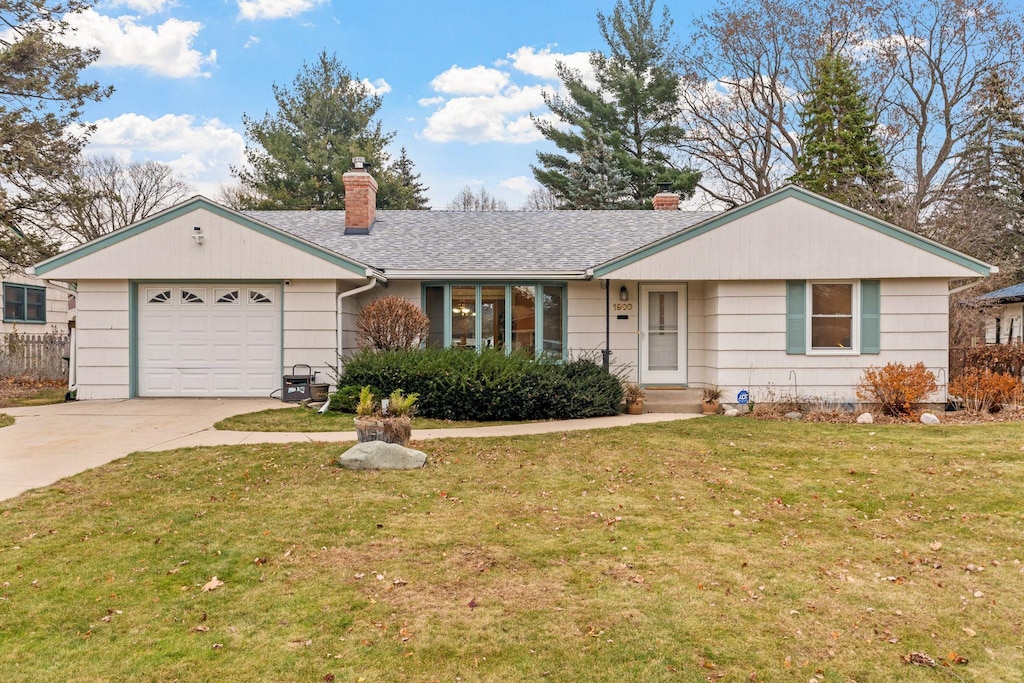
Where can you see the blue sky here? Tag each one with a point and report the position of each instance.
(459, 79)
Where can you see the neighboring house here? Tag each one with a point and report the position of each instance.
(791, 291)
(1004, 314)
(32, 305)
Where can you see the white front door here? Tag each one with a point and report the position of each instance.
(209, 339)
(663, 334)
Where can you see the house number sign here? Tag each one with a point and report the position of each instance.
(622, 307)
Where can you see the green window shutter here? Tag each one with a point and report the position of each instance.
(796, 317)
(870, 316)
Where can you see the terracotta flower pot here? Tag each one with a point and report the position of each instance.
(710, 407)
(634, 407)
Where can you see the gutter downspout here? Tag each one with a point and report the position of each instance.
(374, 281)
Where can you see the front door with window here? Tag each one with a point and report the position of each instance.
(663, 334)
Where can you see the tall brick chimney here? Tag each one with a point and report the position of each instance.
(666, 200)
(360, 198)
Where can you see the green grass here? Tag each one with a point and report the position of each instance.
(717, 549)
(6, 420)
(306, 420)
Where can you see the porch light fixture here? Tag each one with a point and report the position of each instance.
(623, 293)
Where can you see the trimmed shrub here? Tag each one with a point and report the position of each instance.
(455, 384)
(896, 387)
(345, 399)
(982, 389)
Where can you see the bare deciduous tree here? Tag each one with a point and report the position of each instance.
(106, 194)
(468, 200)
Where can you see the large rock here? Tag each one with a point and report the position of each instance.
(929, 419)
(731, 412)
(865, 419)
(378, 455)
(794, 415)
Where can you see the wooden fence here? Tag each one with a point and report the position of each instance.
(37, 356)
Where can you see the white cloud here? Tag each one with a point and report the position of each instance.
(499, 118)
(164, 50)
(478, 80)
(253, 41)
(377, 87)
(541, 63)
(519, 183)
(429, 101)
(143, 6)
(200, 150)
(274, 9)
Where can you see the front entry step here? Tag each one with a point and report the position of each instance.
(671, 400)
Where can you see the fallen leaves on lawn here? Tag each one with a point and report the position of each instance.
(212, 584)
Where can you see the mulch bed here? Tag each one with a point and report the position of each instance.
(1011, 414)
(16, 388)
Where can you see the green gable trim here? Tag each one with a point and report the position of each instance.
(870, 316)
(791, 191)
(796, 317)
(195, 204)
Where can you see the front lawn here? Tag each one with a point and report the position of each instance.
(16, 392)
(713, 549)
(305, 420)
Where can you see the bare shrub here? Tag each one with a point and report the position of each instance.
(998, 358)
(982, 389)
(896, 387)
(392, 324)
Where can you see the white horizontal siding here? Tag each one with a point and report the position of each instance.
(229, 251)
(310, 324)
(751, 347)
(102, 337)
(791, 239)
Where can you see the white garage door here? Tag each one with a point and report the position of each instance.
(220, 340)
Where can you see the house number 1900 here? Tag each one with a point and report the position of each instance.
(622, 307)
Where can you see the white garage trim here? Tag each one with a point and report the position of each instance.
(206, 338)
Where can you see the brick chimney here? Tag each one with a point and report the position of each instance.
(360, 198)
(666, 200)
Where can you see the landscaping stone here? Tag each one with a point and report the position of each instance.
(378, 455)
(865, 419)
(794, 415)
(929, 419)
(731, 412)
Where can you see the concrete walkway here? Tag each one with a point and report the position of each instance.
(48, 443)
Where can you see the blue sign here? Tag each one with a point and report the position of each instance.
(743, 398)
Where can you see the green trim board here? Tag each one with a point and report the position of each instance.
(792, 191)
(797, 332)
(870, 317)
(133, 339)
(191, 205)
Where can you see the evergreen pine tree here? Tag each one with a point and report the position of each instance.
(632, 113)
(400, 186)
(841, 157)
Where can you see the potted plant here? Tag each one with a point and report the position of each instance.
(634, 396)
(710, 399)
(389, 421)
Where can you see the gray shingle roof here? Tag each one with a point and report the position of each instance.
(1012, 292)
(481, 241)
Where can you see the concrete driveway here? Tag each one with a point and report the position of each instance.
(48, 443)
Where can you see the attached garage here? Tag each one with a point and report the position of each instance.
(203, 340)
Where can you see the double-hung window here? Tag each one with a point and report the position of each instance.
(833, 317)
(24, 303)
(526, 317)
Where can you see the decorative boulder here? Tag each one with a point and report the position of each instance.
(732, 412)
(865, 419)
(378, 455)
(929, 419)
(794, 415)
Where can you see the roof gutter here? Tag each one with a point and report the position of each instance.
(477, 276)
(973, 283)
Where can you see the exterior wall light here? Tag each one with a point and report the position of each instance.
(623, 293)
